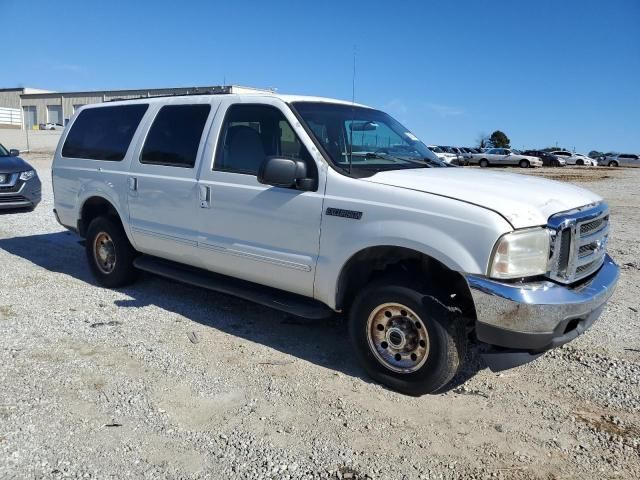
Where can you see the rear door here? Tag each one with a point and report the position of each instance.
(496, 155)
(162, 181)
(264, 234)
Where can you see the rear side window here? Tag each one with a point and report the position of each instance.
(175, 136)
(103, 133)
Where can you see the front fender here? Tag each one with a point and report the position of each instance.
(468, 251)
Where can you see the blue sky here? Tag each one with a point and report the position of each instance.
(542, 71)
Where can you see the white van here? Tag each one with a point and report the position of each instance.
(313, 206)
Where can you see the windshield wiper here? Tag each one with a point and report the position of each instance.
(384, 156)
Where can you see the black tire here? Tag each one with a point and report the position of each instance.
(579, 162)
(613, 163)
(484, 163)
(123, 271)
(524, 164)
(445, 330)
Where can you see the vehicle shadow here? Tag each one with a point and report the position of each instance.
(322, 342)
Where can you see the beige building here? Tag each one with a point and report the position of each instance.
(27, 108)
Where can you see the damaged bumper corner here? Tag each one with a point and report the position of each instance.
(522, 320)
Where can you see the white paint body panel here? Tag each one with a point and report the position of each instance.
(282, 237)
(523, 200)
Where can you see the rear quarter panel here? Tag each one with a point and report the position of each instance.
(75, 180)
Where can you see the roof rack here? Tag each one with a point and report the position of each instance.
(215, 90)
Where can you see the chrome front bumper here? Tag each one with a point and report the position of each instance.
(540, 315)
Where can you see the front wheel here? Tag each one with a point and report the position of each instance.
(484, 163)
(406, 339)
(613, 164)
(524, 164)
(109, 253)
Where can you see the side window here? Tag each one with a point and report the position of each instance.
(175, 135)
(103, 133)
(250, 134)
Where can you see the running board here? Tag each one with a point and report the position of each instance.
(269, 297)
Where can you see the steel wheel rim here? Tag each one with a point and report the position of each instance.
(104, 253)
(397, 337)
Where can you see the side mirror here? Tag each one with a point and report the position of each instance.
(286, 173)
(14, 152)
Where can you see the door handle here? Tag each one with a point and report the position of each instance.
(205, 196)
(133, 184)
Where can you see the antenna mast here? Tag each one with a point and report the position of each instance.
(353, 101)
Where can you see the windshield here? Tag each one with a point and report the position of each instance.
(3, 151)
(435, 149)
(363, 139)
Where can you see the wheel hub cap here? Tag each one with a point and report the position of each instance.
(397, 337)
(104, 253)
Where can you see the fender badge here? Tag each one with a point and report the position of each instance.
(339, 212)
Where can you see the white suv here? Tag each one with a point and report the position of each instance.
(313, 206)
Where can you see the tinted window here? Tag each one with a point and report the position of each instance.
(103, 133)
(251, 133)
(175, 135)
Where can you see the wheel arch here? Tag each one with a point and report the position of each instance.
(373, 262)
(95, 206)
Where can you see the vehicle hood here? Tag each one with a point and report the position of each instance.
(13, 165)
(523, 200)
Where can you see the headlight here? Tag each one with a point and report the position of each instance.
(523, 253)
(28, 175)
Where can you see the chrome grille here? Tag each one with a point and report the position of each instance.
(579, 239)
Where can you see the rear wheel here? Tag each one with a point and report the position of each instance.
(613, 163)
(406, 339)
(579, 162)
(109, 253)
(484, 163)
(524, 164)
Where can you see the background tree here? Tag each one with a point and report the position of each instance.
(498, 139)
(595, 154)
(483, 141)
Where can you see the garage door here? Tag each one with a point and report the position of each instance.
(30, 118)
(54, 114)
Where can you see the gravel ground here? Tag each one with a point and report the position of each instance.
(161, 380)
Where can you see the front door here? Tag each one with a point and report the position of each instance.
(162, 183)
(264, 234)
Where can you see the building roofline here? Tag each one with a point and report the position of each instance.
(25, 90)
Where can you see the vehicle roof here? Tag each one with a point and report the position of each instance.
(241, 92)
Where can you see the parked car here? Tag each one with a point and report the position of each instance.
(50, 126)
(621, 160)
(457, 154)
(575, 158)
(271, 198)
(548, 159)
(447, 157)
(466, 154)
(504, 156)
(20, 186)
